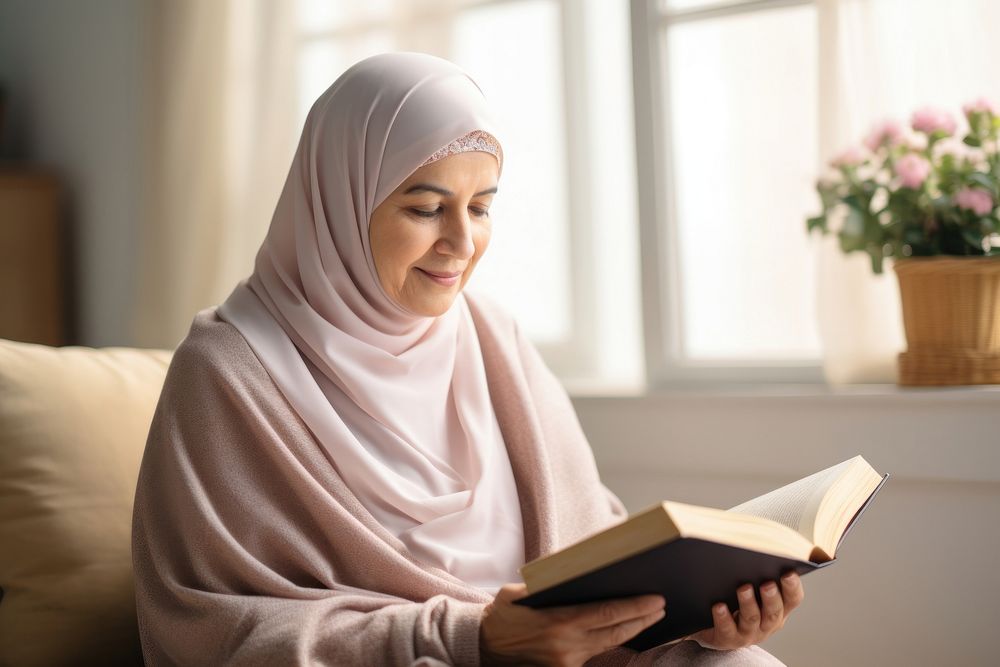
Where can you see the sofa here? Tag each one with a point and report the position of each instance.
(73, 424)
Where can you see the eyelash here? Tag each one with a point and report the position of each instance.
(420, 213)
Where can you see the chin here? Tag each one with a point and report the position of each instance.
(433, 307)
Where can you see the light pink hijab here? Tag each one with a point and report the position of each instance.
(398, 402)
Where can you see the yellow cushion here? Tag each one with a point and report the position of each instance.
(73, 424)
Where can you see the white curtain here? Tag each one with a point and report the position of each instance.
(884, 59)
(220, 107)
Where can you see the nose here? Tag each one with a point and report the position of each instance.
(456, 236)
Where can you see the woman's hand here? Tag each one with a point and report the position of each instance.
(516, 635)
(752, 624)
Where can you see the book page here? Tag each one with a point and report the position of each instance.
(795, 505)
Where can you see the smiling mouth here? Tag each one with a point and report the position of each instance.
(441, 277)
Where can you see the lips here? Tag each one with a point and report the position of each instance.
(442, 274)
(446, 278)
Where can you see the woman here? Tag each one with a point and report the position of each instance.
(351, 458)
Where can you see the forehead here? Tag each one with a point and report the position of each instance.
(471, 169)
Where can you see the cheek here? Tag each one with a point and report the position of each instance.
(399, 245)
(408, 248)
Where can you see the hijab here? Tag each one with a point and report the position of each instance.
(398, 402)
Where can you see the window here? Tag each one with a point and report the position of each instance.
(727, 149)
(531, 60)
(516, 51)
(528, 265)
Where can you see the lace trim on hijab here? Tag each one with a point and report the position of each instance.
(477, 140)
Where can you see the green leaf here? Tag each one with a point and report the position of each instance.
(852, 235)
(829, 199)
(818, 222)
(972, 141)
(873, 231)
(855, 204)
(913, 236)
(983, 180)
(973, 239)
(854, 223)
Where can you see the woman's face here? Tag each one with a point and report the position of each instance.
(428, 235)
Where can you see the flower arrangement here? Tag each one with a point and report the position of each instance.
(918, 192)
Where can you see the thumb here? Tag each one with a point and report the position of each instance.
(511, 592)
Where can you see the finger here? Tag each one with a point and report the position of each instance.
(603, 614)
(749, 623)
(615, 635)
(773, 613)
(792, 592)
(725, 634)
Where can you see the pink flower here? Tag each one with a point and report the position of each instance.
(978, 201)
(929, 121)
(852, 157)
(913, 170)
(982, 105)
(887, 132)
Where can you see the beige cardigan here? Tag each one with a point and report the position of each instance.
(249, 549)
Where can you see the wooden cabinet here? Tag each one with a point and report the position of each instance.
(32, 301)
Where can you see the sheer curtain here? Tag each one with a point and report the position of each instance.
(884, 59)
(220, 132)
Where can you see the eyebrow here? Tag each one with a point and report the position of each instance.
(427, 187)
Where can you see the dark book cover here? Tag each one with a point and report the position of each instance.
(691, 574)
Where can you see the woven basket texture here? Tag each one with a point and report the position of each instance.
(951, 314)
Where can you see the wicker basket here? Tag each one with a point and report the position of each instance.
(951, 313)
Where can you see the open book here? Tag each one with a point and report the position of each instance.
(697, 556)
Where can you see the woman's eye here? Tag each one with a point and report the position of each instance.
(424, 213)
(479, 212)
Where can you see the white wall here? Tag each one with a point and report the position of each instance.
(72, 70)
(917, 582)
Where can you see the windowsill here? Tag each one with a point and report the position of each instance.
(597, 390)
(945, 434)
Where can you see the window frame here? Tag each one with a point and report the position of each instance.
(665, 364)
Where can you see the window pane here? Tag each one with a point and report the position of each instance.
(326, 15)
(743, 125)
(322, 61)
(527, 266)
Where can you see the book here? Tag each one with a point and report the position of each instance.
(698, 556)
